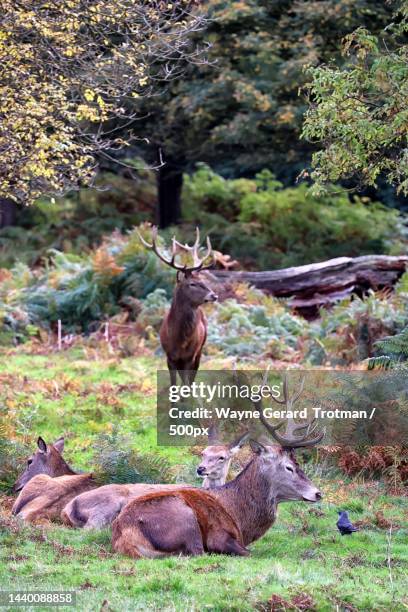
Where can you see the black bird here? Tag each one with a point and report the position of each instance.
(344, 525)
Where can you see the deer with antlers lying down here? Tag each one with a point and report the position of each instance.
(184, 329)
(225, 519)
(47, 484)
(97, 508)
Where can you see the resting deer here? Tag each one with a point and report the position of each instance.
(216, 459)
(47, 483)
(98, 508)
(225, 519)
(184, 329)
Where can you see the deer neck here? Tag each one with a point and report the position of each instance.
(183, 316)
(67, 471)
(210, 483)
(251, 500)
(62, 469)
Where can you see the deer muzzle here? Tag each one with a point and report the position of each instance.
(211, 297)
(313, 496)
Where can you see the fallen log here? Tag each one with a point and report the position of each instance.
(324, 283)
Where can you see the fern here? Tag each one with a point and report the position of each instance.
(396, 349)
(396, 345)
(116, 461)
(384, 362)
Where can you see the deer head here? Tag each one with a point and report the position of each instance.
(216, 460)
(46, 460)
(193, 290)
(281, 473)
(190, 284)
(278, 463)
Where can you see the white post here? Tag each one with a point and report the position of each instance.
(59, 335)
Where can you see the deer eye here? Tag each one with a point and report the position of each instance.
(221, 459)
(290, 469)
(29, 461)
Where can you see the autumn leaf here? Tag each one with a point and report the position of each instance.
(104, 264)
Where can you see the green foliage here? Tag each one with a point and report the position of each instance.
(14, 319)
(115, 460)
(358, 112)
(397, 345)
(241, 111)
(394, 349)
(83, 290)
(348, 332)
(12, 454)
(257, 221)
(77, 223)
(153, 310)
(262, 222)
(14, 427)
(257, 325)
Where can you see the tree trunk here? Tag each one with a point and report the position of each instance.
(170, 182)
(321, 284)
(8, 212)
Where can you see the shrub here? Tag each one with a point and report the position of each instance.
(348, 332)
(81, 291)
(259, 220)
(78, 222)
(256, 325)
(386, 462)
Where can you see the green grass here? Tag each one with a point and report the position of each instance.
(302, 554)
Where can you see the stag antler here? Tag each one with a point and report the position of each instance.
(213, 434)
(289, 439)
(176, 248)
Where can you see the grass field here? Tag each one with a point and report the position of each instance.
(301, 564)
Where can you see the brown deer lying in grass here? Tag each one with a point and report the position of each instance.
(47, 484)
(184, 329)
(216, 460)
(98, 508)
(184, 522)
(180, 522)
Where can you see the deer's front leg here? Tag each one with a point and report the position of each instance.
(172, 371)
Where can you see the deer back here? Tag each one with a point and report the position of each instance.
(212, 517)
(44, 497)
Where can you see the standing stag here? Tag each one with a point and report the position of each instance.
(48, 483)
(225, 519)
(98, 508)
(184, 329)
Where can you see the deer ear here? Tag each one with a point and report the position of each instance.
(257, 447)
(42, 447)
(238, 443)
(59, 445)
(180, 276)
